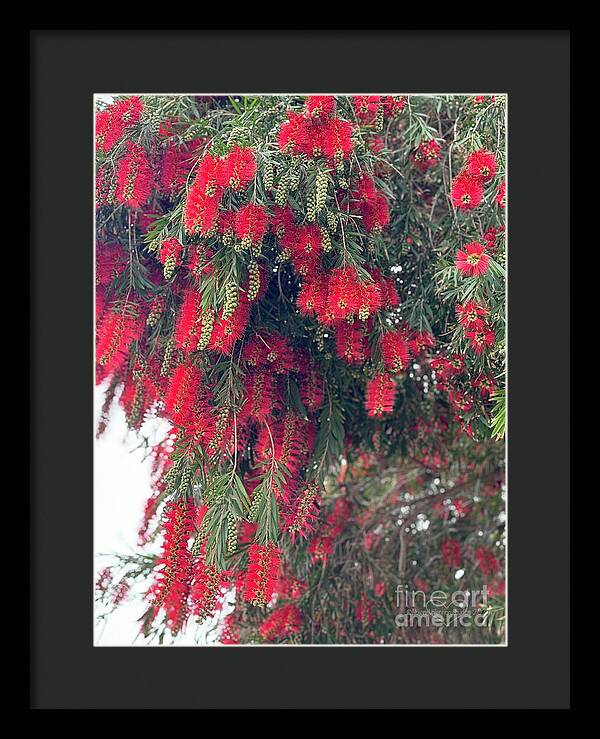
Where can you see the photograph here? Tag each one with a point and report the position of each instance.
(300, 370)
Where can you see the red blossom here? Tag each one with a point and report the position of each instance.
(188, 329)
(351, 343)
(200, 211)
(226, 331)
(426, 155)
(282, 622)
(116, 332)
(312, 297)
(471, 314)
(261, 577)
(467, 191)
(251, 223)
(420, 341)
(170, 249)
(396, 351)
(481, 164)
(237, 169)
(481, 338)
(182, 393)
(501, 195)
(259, 387)
(472, 260)
(320, 105)
(112, 122)
(134, 177)
(380, 394)
(485, 383)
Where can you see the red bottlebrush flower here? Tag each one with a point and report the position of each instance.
(379, 589)
(172, 583)
(370, 299)
(271, 350)
(312, 390)
(490, 237)
(320, 105)
(471, 314)
(312, 297)
(501, 195)
(451, 553)
(375, 213)
(481, 338)
(466, 192)
(259, 387)
(486, 385)
(303, 511)
(226, 226)
(396, 351)
(237, 169)
(290, 132)
(426, 155)
(282, 622)
(366, 107)
(445, 368)
(134, 177)
(282, 220)
(343, 292)
(181, 395)
(460, 401)
(251, 224)
(472, 260)
(488, 564)
(113, 120)
(481, 164)
(206, 589)
(387, 288)
(191, 323)
(206, 180)
(116, 332)
(169, 255)
(201, 211)
(261, 577)
(227, 331)
(288, 441)
(380, 394)
(393, 104)
(371, 204)
(336, 139)
(351, 343)
(306, 246)
(420, 341)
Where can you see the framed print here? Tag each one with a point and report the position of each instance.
(288, 417)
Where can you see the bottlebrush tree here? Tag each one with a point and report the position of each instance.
(311, 291)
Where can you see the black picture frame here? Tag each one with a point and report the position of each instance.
(67, 67)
